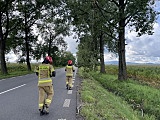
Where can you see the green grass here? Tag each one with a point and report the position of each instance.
(13, 74)
(15, 69)
(148, 74)
(99, 104)
(121, 103)
(139, 96)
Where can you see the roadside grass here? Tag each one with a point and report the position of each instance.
(148, 74)
(100, 104)
(14, 74)
(15, 69)
(141, 97)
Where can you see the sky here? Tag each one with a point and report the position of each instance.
(144, 49)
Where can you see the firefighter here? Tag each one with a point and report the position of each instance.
(69, 74)
(44, 72)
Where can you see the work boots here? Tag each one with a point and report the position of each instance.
(41, 112)
(67, 86)
(44, 110)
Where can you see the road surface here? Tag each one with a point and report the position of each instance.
(19, 98)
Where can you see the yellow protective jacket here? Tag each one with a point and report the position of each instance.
(69, 70)
(45, 72)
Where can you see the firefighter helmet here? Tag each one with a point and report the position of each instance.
(69, 62)
(49, 58)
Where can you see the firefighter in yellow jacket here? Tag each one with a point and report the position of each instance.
(44, 72)
(69, 74)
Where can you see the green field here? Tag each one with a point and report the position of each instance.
(137, 98)
(15, 69)
(148, 74)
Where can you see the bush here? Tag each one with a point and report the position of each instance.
(141, 97)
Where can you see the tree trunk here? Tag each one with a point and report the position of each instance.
(102, 69)
(49, 46)
(27, 51)
(122, 75)
(2, 56)
(27, 44)
(2, 50)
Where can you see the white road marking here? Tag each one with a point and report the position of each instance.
(72, 85)
(2, 80)
(61, 119)
(69, 92)
(66, 103)
(12, 89)
(72, 81)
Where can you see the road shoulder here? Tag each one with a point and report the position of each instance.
(78, 100)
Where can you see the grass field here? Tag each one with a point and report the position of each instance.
(148, 74)
(15, 69)
(140, 97)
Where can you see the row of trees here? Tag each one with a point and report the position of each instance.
(98, 24)
(102, 24)
(22, 22)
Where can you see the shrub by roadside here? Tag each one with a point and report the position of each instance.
(141, 97)
(99, 104)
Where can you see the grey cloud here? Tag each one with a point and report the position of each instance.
(72, 44)
(146, 45)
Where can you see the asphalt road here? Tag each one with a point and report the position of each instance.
(19, 98)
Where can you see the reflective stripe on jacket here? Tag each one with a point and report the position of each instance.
(69, 70)
(44, 73)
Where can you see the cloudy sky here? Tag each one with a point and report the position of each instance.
(144, 49)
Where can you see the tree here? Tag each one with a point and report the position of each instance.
(7, 24)
(85, 55)
(16, 20)
(30, 12)
(118, 14)
(102, 68)
(135, 13)
(82, 19)
(89, 21)
(52, 28)
(67, 56)
(51, 33)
